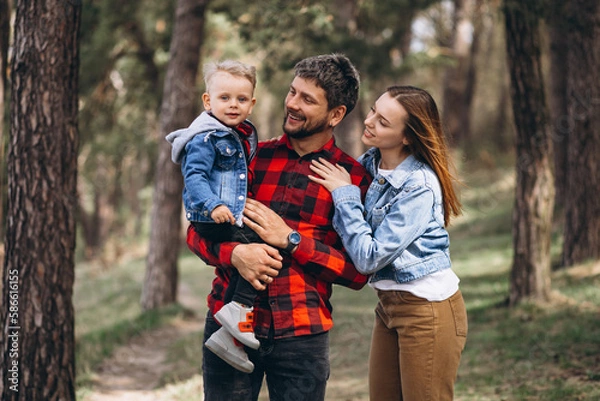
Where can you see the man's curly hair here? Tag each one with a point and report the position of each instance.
(336, 75)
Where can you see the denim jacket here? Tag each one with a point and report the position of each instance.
(399, 233)
(214, 166)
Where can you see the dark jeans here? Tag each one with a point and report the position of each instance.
(296, 369)
(239, 290)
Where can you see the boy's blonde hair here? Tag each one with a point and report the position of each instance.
(233, 67)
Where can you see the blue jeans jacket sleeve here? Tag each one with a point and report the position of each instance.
(196, 166)
(376, 238)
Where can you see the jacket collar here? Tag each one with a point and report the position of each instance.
(401, 172)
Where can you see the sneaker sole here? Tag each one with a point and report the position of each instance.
(231, 359)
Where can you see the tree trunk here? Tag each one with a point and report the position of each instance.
(4, 31)
(534, 199)
(37, 341)
(455, 94)
(559, 45)
(582, 209)
(502, 140)
(471, 76)
(179, 107)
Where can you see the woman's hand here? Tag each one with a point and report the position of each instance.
(331, 176)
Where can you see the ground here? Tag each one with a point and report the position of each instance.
(134, 372)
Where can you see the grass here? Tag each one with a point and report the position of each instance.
(530, 352)
(108, 313)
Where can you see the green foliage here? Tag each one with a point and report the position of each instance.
(374, 34)
(122, 68)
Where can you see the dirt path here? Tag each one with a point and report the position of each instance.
(135, 370)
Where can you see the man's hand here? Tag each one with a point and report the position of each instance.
(257, 263)
(266, 223)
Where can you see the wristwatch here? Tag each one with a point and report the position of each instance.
(293, 241)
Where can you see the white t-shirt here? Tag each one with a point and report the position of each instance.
(437, 286)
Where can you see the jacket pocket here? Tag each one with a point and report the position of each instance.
(227, 154)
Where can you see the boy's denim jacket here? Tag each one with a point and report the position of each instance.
(399, 233)
(214, 166)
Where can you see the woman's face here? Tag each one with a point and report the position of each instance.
(384, 125)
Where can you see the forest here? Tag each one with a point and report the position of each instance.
(92, 231)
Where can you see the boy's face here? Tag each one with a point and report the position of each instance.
(229, 98)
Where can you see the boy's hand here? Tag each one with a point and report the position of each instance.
(222, 214)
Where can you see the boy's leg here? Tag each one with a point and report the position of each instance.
(237, 316)
(214, 232)
(245, 235)
(244, 292)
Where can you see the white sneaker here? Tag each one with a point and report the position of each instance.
(222, 344)
(237, 319)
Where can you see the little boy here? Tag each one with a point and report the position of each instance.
(214, 153)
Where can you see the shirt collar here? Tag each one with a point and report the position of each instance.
(327, 149)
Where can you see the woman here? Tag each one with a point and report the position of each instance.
(399, 238)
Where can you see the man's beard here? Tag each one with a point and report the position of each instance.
(305, 131)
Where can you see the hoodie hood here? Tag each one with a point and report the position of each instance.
(203, 123)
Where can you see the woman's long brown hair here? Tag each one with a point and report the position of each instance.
(427, 141)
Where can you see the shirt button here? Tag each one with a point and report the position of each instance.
(382, 181)
(272, 302)
(189, 215)
(242, 176)
(240, 155)
(241, 197)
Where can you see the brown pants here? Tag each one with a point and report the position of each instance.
(416, 347)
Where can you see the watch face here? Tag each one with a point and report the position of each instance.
(294, 237)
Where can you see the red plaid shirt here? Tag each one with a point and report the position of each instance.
(296, 303)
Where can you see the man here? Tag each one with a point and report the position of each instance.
(303, 256)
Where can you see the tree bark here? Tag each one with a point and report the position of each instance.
(179, 107)
(4, 31)
(37, 342)
(534, 199)
(559, 45)
(582, 209)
